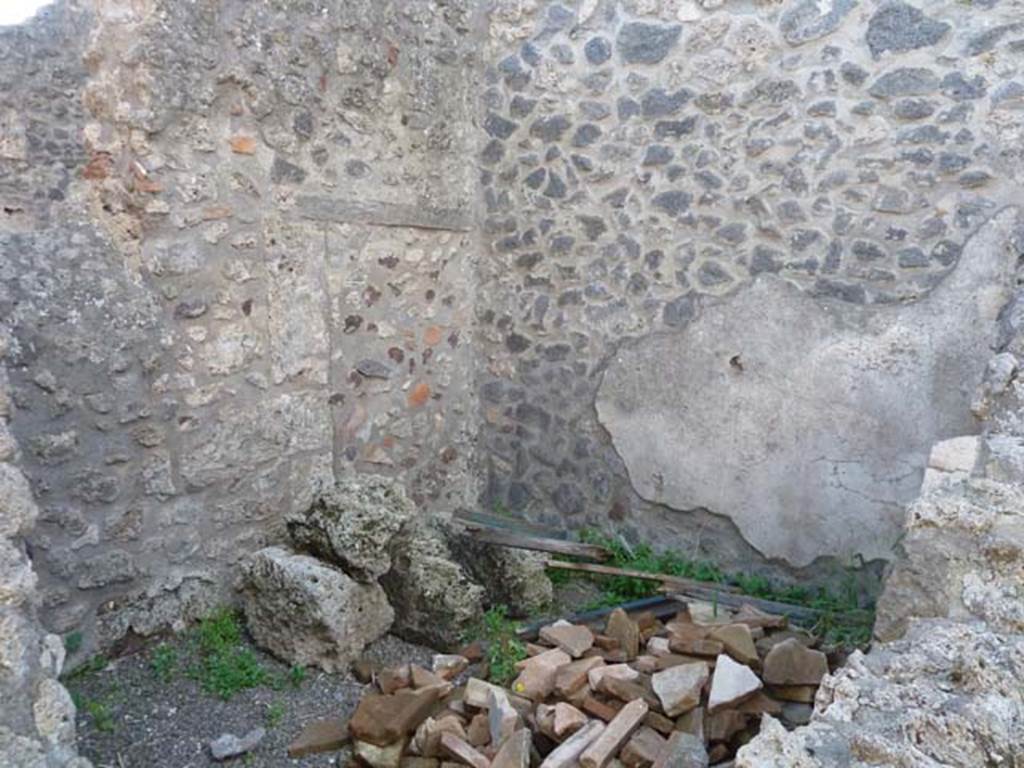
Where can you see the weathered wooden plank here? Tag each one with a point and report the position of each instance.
(505, 522)
(678, 583)
(537, 544)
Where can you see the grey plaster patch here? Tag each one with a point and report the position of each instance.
(794, 415)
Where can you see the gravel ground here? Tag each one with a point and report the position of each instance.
(157, 724)
(149, 723)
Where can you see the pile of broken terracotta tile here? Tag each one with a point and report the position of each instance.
(638, 693)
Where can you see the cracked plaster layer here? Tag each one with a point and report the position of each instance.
(808, 422)
(642, 161)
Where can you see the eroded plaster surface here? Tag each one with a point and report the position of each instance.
(773, 164)
(807, 422)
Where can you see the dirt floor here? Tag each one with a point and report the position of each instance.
(129, 717)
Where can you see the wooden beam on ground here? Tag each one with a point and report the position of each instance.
(506, 522)
(676, 583)
(515, 540)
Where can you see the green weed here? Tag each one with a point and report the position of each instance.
(97, 663)
(72, 642)
(275, 713)
(559, 577)
(164, 662)
(834, 625)
(296, 675)
(98, 711)
(223, 666)
(504, 649)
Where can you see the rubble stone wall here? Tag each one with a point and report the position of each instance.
(731, 248)
(37, 720)
(591, 263)
(237, 259)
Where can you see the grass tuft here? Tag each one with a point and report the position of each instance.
(96, 664)
(641, 557)
(275, 714)
(223, 666)
(164, 662)
(297, 675)
(99, 711)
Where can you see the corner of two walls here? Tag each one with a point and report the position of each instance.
(243, 256)
(740, 269)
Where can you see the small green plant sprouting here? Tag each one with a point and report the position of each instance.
(275, 713)
(559, 577)
(504, 649)
(164, 662)
(72, 642)
(98, 711)
(223, 665)
(97, 663)
(297, 675)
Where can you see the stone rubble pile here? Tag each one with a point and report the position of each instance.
(636, 693)
(363, 562)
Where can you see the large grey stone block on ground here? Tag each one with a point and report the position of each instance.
(434, 598)
(310, 613)
(352, 523)
(794, 415)
(511, 577)
(679, 688)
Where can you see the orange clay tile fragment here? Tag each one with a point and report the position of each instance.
(98, 167)
(432, 336)
(243, 145)
(419, 395)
